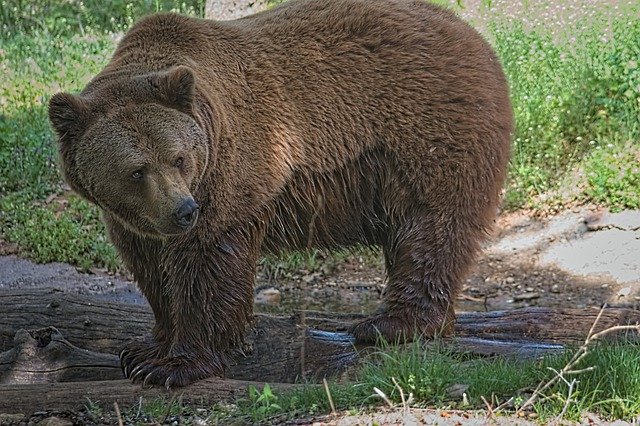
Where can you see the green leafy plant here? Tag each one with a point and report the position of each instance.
(263, 403)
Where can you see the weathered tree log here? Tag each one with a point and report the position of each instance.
(93, 331)
(45, 356)
(274, 343)
(27, 399)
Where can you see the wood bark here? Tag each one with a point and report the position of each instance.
(29, 398)
(224, 10)
(58, 348)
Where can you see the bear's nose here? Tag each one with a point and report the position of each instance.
(187, 213)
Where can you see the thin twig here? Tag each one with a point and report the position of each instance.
(120, 421)
(584, 370)
(567, 402)
(404, 402)
(491, 414)
(504, 404)
(383, 396)
(593, 326)
(577, 357)
(326, 388)
(609, 330)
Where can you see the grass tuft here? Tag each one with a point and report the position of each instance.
(434, 376)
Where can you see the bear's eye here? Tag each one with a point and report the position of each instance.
(179, 161)
(137, 175)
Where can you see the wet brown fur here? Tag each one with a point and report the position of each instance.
(322, 122)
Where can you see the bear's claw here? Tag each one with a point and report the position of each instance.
(175, 371)
(144, 362)
(135, 353)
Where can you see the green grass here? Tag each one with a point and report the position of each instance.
(428, 377)
(570, 100)
(611, 389)
(36, 67)
(72, 17)
(48, 233)
(613, 175)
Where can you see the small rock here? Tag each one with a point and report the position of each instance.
(328, 268)
(526, 296)
(268, 296)
(624, 292)
(510, 280)
(605, 285)
(311, 277)
(529, 289)
(555, 288)
(457, 390)
(55, 421)
(11, 419)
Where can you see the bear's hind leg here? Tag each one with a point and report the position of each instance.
(427, 256)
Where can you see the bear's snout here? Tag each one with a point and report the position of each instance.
(187, 214)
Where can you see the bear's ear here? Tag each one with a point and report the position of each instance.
(67, 113)
(177, 88)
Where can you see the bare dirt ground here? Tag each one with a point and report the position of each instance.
(581, 257)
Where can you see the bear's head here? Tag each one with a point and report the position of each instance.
(132, 146)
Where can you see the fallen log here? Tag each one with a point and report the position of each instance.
(29, 398)
(48, 337)
(272, 353)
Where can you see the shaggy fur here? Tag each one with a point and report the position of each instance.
(322, 123)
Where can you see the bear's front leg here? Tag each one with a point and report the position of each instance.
(208, 288)
(142, 255)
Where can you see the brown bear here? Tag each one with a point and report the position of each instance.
(319, 123)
